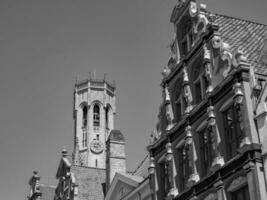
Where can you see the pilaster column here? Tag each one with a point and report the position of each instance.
(172, 189)
(217, 159)
(187, 92)
(256, 186)
(238, 102)
(152, 178)
(169, 111)
(194, 176)
(220, 190)
(208, 69)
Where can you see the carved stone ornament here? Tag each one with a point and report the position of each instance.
(96, 146)
(211, 196)
(239, 57)
(166, 71)
(193, 9)
(226, 56)
(216, 42)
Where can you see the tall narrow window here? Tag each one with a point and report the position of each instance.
(107, 118)
(84, 140)
(183, 167)
(84, 116)
(162, 181)
(178, 99)
(198, 96)
(96, 163)
(205, 148)
(96, 116)
(232, 131)
(178, 111)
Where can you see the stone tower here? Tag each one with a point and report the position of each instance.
(116, 158)
(93, 113)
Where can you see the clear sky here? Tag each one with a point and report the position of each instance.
(45, 44)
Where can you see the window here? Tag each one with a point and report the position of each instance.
(96, 119)
(162, 181)
(84, 140)
(107, 117)
(179, 99)
(198, 95)
(200, 82)
(187, 35)
(84, 116)
(205, 150)
(183, 167)
(178, 111)
(240, 194)
(232, 131)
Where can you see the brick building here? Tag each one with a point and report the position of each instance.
(210, 141)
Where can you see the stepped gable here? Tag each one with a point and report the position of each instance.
(244, 34)
(90, 182)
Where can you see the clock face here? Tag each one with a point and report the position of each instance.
(96, 146)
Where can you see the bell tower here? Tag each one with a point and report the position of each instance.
(93, 113)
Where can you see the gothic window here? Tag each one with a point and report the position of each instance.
(107, 117)
(240, 194)
(232, 131)
(84, 139)
(205, 150)
(84, 116)
(183, 166)
(96, 118)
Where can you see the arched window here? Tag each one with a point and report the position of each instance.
(107, 117)
(84, 116)
(96, 115)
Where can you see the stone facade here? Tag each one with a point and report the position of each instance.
(99, 151)
(90, 181)
(209, 141)
(93, 114)
(116, 158)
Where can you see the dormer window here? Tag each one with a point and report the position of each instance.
(96, 118)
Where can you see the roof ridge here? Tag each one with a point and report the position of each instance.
(246, 20)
